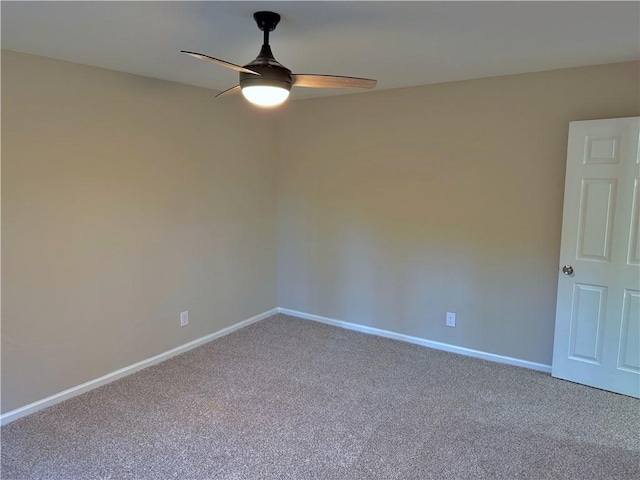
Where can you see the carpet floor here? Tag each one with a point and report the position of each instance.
(290, 398)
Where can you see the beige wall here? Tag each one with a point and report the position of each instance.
(125, 200)
(396, 206)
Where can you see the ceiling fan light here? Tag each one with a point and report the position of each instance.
(265, 95)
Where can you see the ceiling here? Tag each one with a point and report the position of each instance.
(400, 44)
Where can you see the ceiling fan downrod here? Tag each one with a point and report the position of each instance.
(267, 22)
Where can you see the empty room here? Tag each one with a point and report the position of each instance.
(320, 240)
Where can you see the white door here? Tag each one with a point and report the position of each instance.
(597, 335)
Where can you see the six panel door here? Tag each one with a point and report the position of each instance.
(597, 334)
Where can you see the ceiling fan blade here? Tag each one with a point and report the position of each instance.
(217, 61)
(331, 81)
(229, 91)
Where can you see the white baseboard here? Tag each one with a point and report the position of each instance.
(420, 341)
(123, 372)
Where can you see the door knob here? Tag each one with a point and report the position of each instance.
(567, 269)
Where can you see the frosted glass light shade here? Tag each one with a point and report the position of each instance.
(265, 95)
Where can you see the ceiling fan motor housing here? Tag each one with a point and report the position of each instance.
(271, 75)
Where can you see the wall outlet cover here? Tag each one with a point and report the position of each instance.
(450, 319)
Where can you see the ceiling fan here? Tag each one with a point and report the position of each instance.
(266, 82)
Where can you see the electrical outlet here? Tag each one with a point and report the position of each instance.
(450, 319)
(184, 318)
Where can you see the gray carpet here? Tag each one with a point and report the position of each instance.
(290, 398)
